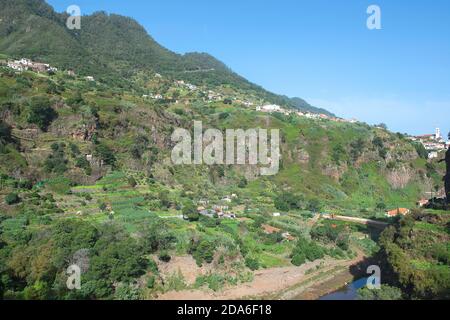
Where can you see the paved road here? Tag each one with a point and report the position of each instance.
(370, 222)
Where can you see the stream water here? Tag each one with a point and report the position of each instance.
(349, 292)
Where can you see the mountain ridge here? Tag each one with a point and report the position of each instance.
(115, 47)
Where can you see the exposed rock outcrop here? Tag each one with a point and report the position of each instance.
(303, 156)
(399, 178)
(333, 171)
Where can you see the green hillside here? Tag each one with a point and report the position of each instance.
(86, 176)
(110, 48)
(128, 189)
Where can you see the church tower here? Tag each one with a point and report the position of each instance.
(438, 135)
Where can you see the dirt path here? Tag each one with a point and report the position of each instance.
(274, 283)
(311, 223)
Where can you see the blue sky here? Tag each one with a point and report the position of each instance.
(320, 50)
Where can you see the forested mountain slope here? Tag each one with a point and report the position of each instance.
(110, 48)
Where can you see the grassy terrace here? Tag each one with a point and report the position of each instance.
(132, 210)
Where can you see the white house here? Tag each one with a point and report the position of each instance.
(191, 87)
(312, 115)
(269, 108)
(433, 155)
(227, 199)
(26, 64)
(15, 66)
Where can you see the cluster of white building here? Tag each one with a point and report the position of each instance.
(26, 64)
(221, 210)
(191, 87)
(214, 96)
(270, 108)
(153, 96)
(433, 143)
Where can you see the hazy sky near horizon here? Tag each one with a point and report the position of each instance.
(319, 50)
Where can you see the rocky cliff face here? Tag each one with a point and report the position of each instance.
(399, 178)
